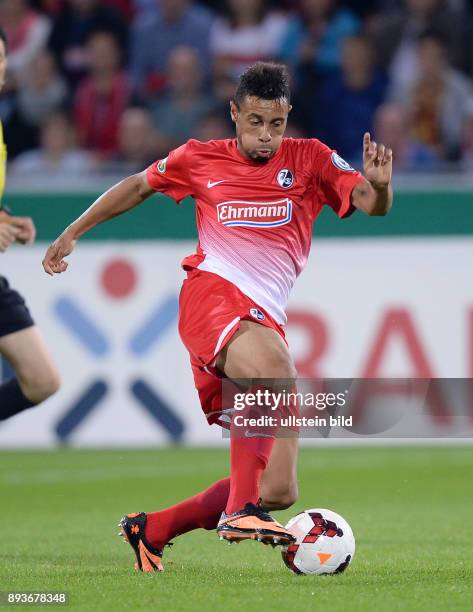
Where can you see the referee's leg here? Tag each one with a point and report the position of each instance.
(37, 377)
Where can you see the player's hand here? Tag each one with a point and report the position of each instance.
(377, 162)
(8, 235)
(26, 229)
(54, 262)
(4, 216)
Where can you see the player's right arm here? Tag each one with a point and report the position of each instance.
(118, 199)
(169, 176)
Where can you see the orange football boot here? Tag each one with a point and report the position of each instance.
(252, 523)
(132, 529)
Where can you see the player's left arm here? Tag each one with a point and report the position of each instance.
(374, 196)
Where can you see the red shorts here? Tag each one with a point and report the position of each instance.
(210, 311)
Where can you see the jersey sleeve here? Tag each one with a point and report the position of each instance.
(170, 175)
(336, 179)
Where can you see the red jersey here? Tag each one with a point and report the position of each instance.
(254, 220)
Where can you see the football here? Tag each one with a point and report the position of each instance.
(324, 543)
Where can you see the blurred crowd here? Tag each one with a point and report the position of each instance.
(109, 86)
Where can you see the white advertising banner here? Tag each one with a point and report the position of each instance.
(362, 308)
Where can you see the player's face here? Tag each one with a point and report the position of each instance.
(3, 64)
(260, 126)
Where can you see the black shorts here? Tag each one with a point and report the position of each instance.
(14, 315)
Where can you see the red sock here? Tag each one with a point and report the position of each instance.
(203, 510)
(248, 458)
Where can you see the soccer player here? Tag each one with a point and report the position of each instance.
(36, 377)
(256, 197)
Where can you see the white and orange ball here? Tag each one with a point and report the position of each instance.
(324, 543)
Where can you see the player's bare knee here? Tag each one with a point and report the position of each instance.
(39, 387)
(50, 383)
(281, 498)
(54, 383)
(278, 365)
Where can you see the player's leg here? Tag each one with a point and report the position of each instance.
(36, 375)
(278, 491)
(203, 293)
(278, 486)
(256, 352)
(150, 532)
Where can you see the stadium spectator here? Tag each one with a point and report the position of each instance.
(71, 29)
(101, 97)
(395, 36)
(27, 32)
(177, 112)
(246, 32)
(391, 126)
(138, 145)
(438, 100)
(42, 90)
(57, 155)
(315, 37)
(173, 23)
(349, 98)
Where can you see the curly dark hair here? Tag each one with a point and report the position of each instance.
(264, 80)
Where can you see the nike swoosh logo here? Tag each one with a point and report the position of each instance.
(256, 434)
(211, 184)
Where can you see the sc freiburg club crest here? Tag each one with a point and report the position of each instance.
(285, 178)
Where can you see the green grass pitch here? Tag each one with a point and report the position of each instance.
(410, 509)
